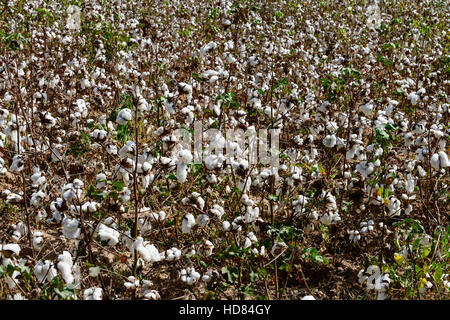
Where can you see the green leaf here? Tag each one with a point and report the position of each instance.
(65, 293)
(437, 274)
(117, 185)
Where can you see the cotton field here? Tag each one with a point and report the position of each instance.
(232, 149)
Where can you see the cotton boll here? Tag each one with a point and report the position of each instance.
(183, 157)
(354, 236)
(365, 168)
(20, 229)
(329, 141)
(37, 240)
(17, 164)
(278, 248)
(209, 275)
(70, 228)
(111, 149)
(45, 271)
(108, 234)
(207, 248)
(148, 252)
(9, 250)
(100, 180)
(366, 109)
(151, 294)
(65, 267)
(173, 254)
(367, 226)
(124, 116)
(394, 207)
(189, 275)
(41, 214)
(217, 210)
(202, 220)
(443, 160)
(413, 98)
(226, 226)
(128, 150)
(330, 218)
(93, 294)
(203, 50)
(410, 183)
(132, 283)
(300, 204)
(187, 223)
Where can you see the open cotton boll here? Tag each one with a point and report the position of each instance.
(150, 294)
(45, 271)
(93, 294)
(202, 219)
(354, 235)
(410, 183)
(308, 298)
(65, 267)
(183, 158)
(367, 226)
(189, 275)
(37, 240)
(439, 160)
(330, 218)
(90, 206)
(187, 223)
(394, 206)
(17, 164)
(365, 168)
(207, 47)
(132, 283)
(413, 98)
(111, 149)
(41, 214)
(9, 250)
(148, 252)
(329, 141)
(20, 229)
(366, 108)
(375, 280)
(128, 150)
(124, 116)
(100, 180)
(108, 234)
(70, 228)
(226, 225)
(251, 214)
(278, 248)
(300, 204)
(217, 210)
(207, 248)
(173, 254)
